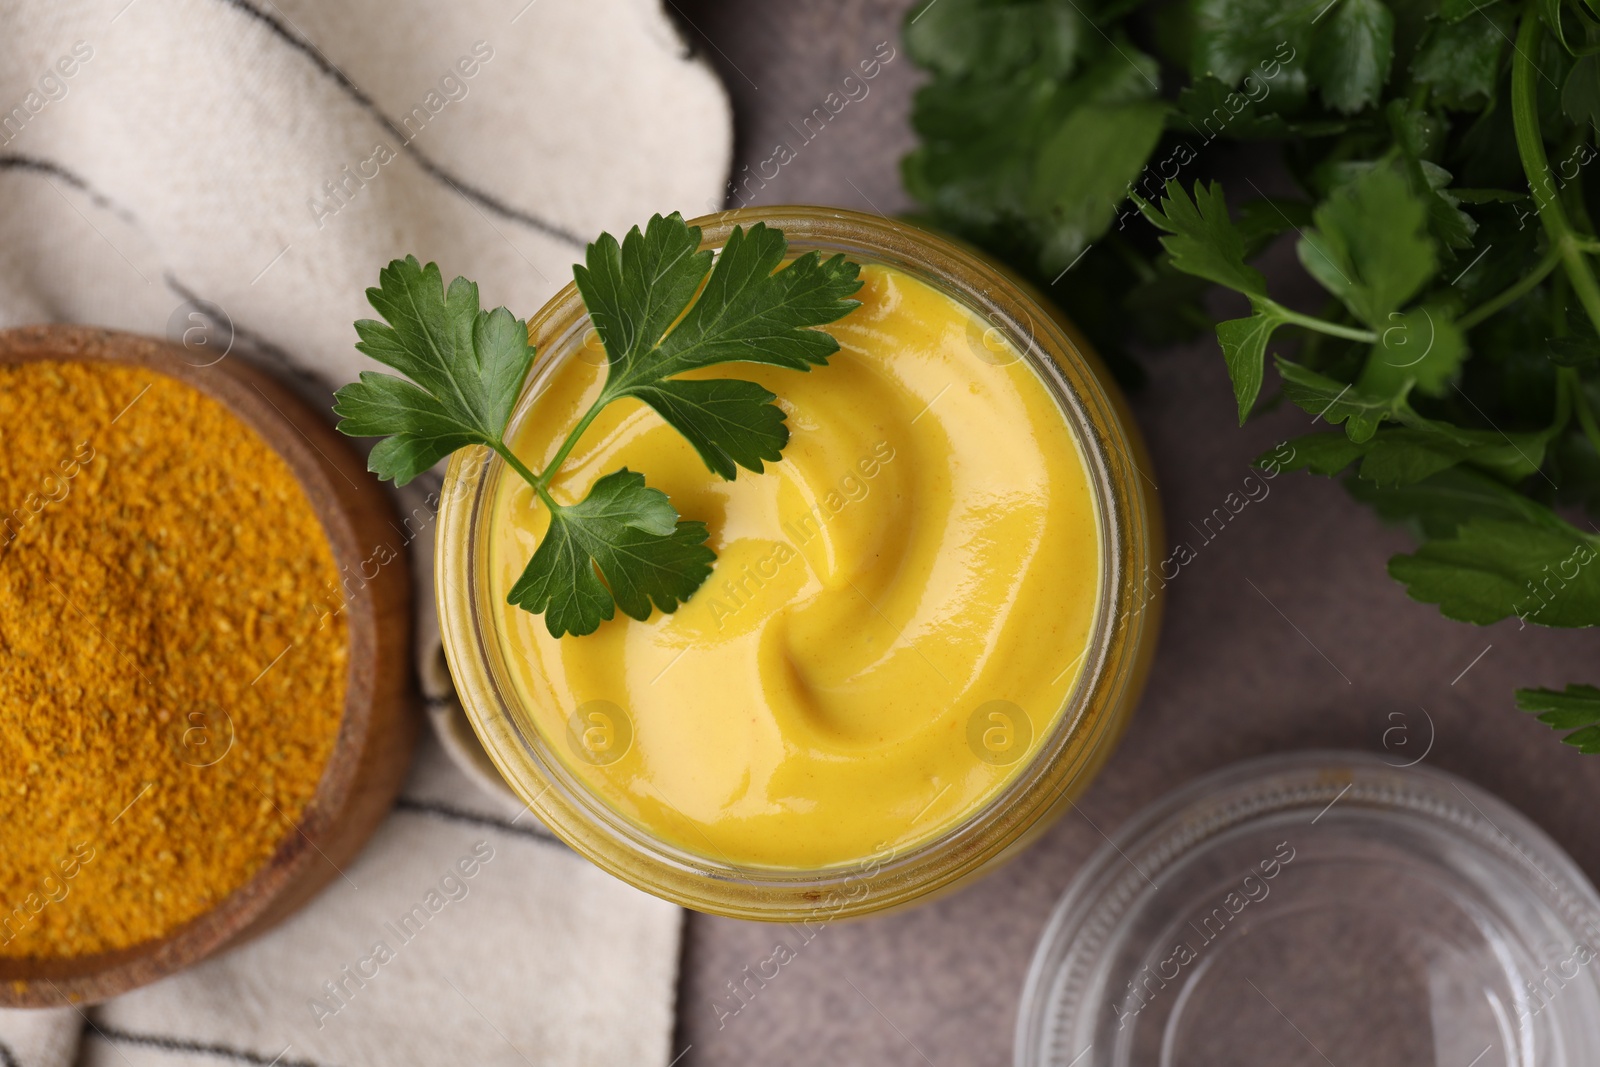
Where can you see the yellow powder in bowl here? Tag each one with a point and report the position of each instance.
(173, 659)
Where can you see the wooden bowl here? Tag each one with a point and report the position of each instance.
(373, 749)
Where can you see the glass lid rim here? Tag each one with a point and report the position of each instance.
(1175, 826)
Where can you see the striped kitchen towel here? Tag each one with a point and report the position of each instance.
(231, 174)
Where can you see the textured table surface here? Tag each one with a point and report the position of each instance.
(1283, 633)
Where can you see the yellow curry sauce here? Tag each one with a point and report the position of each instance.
(928, 546)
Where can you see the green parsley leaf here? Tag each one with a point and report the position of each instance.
(1335, 402)
(1370, 247)
(1075, 203)
(1580, 96)
(732, 423)
(1204, 108)
(1438, 505)
(641, 295)
(1393, 458)
(1210, 108)
(1231, 37)
(1493, 569)
(466, 367)
(1202, 240)
(749, 311)
(636, 289)
(1577, 705)
(1032, 128)
(632, 535)
(959, 38)
(1321, 453)
(1415, 133)
(1421, 347)
(1244, 348)
(1460, 61)
(1351, 54)
(1403, 456)
(975, 161)
(1569, 709)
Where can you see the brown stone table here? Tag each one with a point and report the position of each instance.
(1284, 632)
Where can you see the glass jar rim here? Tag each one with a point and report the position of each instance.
(1078, 1005)
(1064, 757)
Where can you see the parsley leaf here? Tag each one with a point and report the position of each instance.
(1352, 53)
(1319, 453)
(1230, 37)
(1415, 132)
(1335, 402)
(749, 311)
(1393, 458)
(1492, 569)
(1460, 61)
(466, 367)
(1580, 96)
(971, 37)
(1074, 203)
(641, 296)
(1202, 240)
(1576, 706)
(1439, 504)
(1034, 124)
(1244, 349)
(1403, 456)
(1420, 348)
(730, 422)
(632, 534)
(1209, 107)
(662, 306)
(1396, 458)
(1370, 247)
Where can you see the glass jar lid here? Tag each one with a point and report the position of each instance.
(1320, 908)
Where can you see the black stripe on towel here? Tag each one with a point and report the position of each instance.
(34, 165)
(444, 811)
(197, 1048)
(253, 340)
(469, 192)
(7, 1057)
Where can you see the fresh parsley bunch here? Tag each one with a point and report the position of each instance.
(662, 306)
(1445, 151)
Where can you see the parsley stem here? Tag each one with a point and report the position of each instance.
(528, 476)
(1536, 165)
(1332, 329)
(1512, 293)
(567, 445)
(1580, 404)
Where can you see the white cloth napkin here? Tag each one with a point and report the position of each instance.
(235, 172)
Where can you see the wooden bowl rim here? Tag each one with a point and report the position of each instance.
(55, 981)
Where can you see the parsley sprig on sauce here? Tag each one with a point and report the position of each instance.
(662, 306)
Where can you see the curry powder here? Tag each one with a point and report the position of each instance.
(173, 657)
